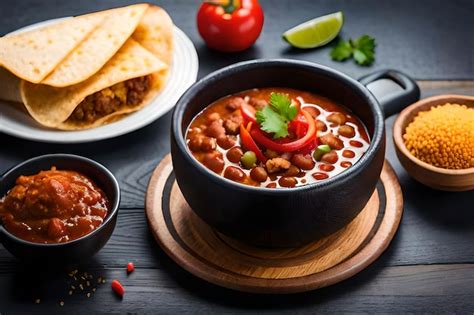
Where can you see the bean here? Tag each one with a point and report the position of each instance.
(192, 132)
(195, 143)
(346, 131)
(234, 154)
(326, 167)
(356, 144)
(234, 173)
(257, 103)
(348, 154)
(292, 171)
(226, 142)
(321, 126)
(232, 125)
(212, 116)
(320, 176)
(208, 144)
(337, 118)
(249, 159)
(271, 185)
(287, 181)
(214, 162)
(270, 154)
(215, 129)
(234, 103)
(346, 164)
(203, 127)
(259, 174)
(313, 111)
(304, 162)
(332, 141)
(330, 157)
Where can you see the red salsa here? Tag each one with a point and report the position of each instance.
(53, 206)
(277, 137)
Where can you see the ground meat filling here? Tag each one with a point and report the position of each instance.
(109, 100)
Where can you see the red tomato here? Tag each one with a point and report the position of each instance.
(230, 27)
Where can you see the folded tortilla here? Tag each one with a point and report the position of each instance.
(52, 106)
(104, 41)
(32, 55)
(155, 33)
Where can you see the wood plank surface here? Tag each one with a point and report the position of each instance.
(428, 39)
(402, 289)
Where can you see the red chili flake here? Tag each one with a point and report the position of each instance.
(130, 267)
(118, 288)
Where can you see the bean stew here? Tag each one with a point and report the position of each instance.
(276, 137)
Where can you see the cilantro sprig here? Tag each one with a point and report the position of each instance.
(361, 49)
(274, 117)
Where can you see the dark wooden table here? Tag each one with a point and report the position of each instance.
(429, 267)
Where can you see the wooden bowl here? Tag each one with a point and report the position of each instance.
(432, 176)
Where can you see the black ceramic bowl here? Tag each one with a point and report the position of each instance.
(76, 250)
(288, 216)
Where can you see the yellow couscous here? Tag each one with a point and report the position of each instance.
(443, 136)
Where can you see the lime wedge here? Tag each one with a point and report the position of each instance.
(316, 32)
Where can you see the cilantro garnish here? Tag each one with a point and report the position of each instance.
(342, 51)
(274, 118)
(362, 50)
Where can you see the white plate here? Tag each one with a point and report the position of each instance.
(182, 74)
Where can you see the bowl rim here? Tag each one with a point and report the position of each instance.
(402, 119)
(110, 215)
(372, 103)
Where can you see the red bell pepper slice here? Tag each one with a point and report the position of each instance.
(298, 126)
(249, 144)
(248, 113)
(260, 137)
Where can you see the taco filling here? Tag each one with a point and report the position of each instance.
(106, 101)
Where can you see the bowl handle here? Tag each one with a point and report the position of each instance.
(393, 89)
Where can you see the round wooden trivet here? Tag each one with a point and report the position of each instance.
(229, 263)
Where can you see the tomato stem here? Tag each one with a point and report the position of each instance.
(229, 6)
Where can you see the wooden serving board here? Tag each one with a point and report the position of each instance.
(208, 254)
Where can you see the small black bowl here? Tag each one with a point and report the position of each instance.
(78, 249)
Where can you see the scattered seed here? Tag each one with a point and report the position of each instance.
(61, 303)
(103, 280)
(88, 283)
(75, 278)
(81, 287)
(73, 287)
(88, 294)
(38, 301)
(70, 292)
(83, 278)
(99, 280)
(93, 289)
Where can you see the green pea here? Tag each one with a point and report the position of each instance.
(320, 151)
(249, 159)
